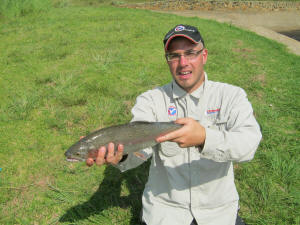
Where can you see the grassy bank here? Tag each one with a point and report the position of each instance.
(68, 71)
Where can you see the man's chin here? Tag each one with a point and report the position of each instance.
(184, 86)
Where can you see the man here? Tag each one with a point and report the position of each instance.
(191, 177)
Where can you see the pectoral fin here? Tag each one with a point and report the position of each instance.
(140, 155)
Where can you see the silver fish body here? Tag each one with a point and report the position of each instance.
(134, 136)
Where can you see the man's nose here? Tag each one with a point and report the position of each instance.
(182, 60)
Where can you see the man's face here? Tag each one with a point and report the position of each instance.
(188, 72)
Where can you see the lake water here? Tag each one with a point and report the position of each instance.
(295, 34)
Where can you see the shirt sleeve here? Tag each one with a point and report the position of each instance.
(143, 110)
(239, 138)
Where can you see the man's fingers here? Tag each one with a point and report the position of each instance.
(170, 136)
(107, 155)
(110, 153)
(183, 121)
(89, 162)
(119, 153)
(100, 157)
(180, 141)
(177, 133)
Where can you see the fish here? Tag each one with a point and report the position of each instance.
(133, 136)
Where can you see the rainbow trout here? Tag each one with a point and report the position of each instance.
(134, 136)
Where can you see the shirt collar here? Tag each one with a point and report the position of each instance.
(178, 92)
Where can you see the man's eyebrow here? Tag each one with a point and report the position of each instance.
(189, 50)
(175, 53)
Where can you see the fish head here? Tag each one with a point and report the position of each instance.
(80, 151)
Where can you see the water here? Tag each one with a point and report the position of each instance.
(295, 34)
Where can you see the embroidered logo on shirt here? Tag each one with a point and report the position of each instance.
(172, 111)
(212, 111)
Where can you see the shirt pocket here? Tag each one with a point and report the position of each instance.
(170, 149)
(221, 125)
(215, 123)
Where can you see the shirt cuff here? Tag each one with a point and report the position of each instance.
(212, 141)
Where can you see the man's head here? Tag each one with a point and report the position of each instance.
(186, 56)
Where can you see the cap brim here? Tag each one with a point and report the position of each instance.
(178, 35)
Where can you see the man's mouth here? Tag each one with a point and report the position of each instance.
(185, 74)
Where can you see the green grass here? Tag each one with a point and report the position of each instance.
(15, 8)
(70, 70)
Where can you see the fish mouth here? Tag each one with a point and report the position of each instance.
(72, 160)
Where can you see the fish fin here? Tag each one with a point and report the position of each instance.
(140, 155)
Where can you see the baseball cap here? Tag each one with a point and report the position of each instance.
(182, 30)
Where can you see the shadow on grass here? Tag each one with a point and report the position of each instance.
(108, 195)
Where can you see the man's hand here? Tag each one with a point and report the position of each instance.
(191, 134)
(111, 158)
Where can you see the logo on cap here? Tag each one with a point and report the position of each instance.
(172, 111)
(179, 28)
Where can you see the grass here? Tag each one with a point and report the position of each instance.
(70, 70)
(14, 8)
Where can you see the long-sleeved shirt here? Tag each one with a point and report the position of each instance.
(187, 183)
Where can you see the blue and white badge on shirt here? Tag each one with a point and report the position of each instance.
(172, 112)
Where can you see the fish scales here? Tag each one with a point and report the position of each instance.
(134, 136)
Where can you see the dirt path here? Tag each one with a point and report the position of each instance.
(267, 24)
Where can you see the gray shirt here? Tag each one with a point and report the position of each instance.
(191, 182)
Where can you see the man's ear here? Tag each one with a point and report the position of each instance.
(204, 55)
